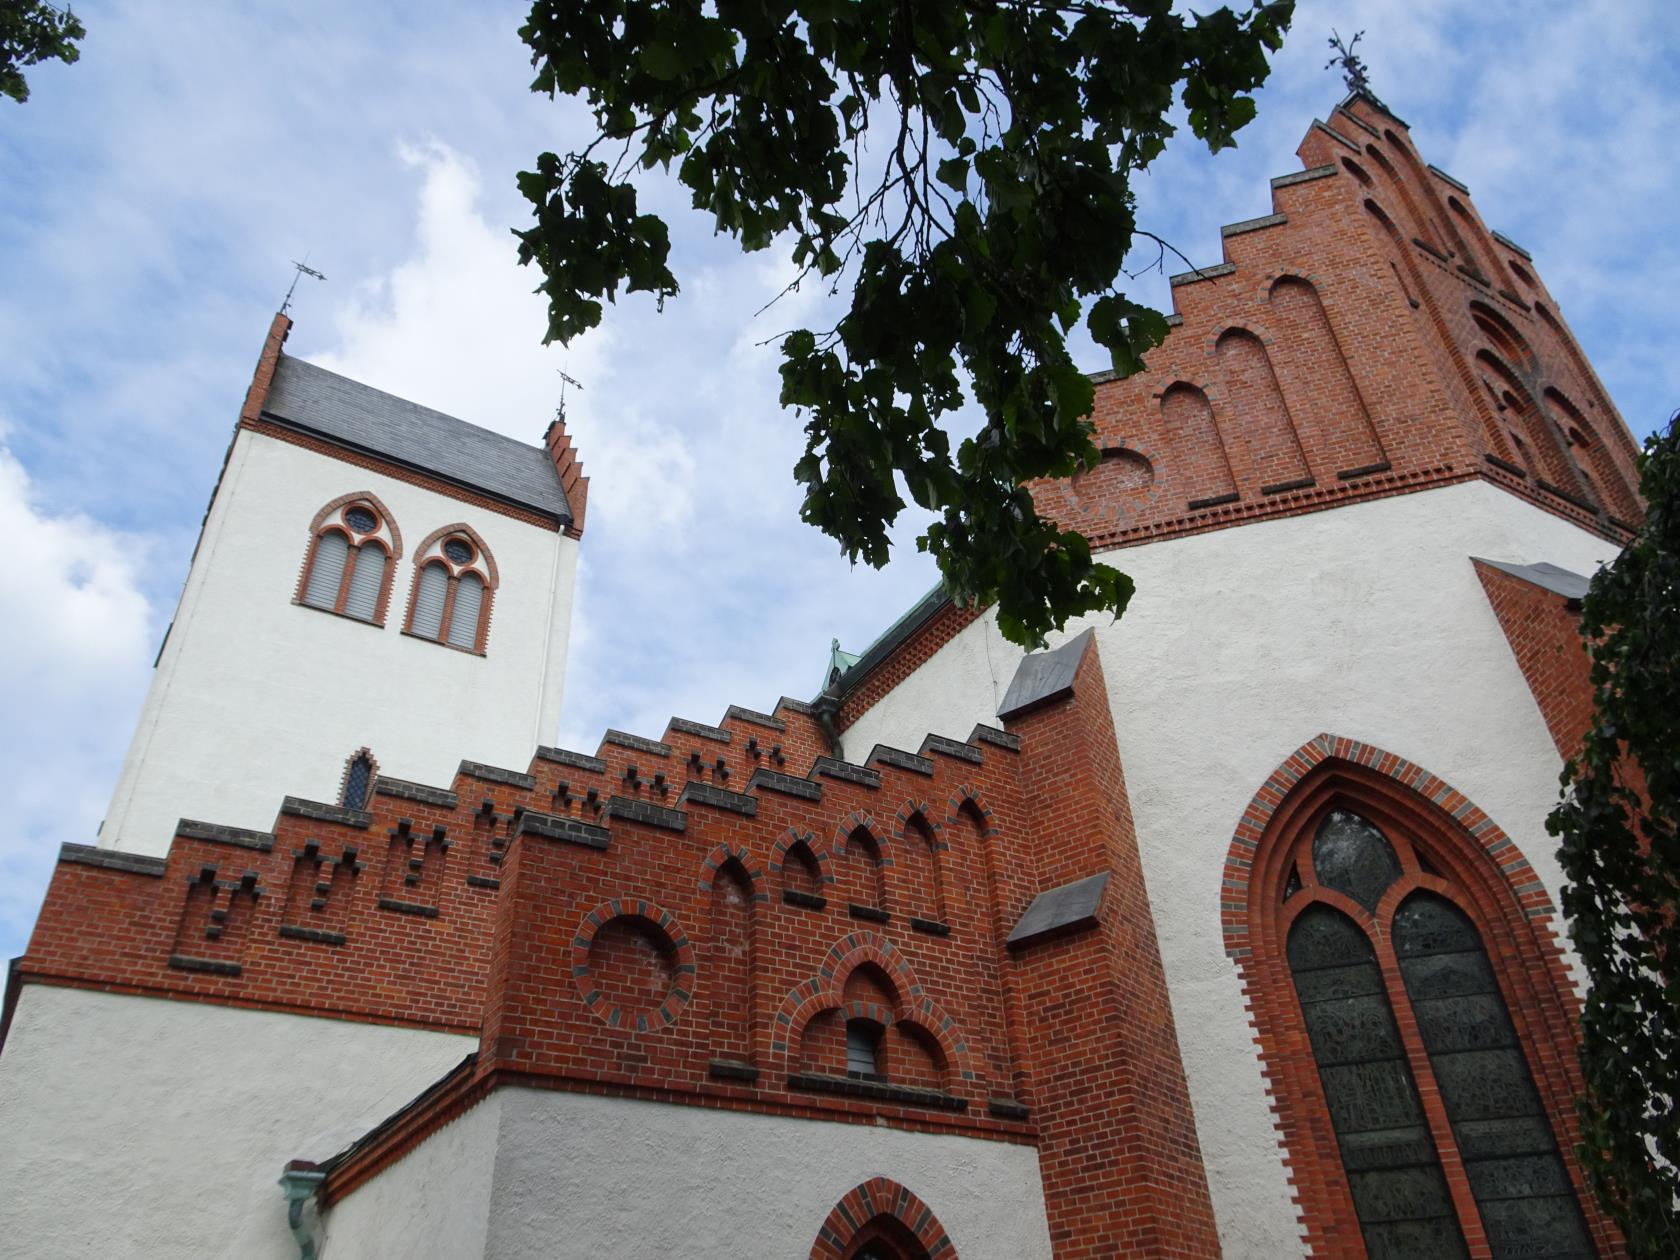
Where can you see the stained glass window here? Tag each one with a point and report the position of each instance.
(1353, 857)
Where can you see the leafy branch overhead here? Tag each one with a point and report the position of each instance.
(1619, 825)
(962, 165)
(33, 31)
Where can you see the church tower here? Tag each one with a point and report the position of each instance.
(378, 590)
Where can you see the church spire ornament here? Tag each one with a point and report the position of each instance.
(1354, 74)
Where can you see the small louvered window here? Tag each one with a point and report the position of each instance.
(463, 618)
(429, 598)
(365, 581)
(863, 1045)
(327, 572)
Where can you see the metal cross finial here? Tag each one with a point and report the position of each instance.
(302, 270)
(1353, 66)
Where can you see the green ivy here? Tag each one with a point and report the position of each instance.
(965, 166)
(1620, 853)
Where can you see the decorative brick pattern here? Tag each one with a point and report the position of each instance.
(880, 1210)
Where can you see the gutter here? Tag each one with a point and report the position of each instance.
(298, 1182)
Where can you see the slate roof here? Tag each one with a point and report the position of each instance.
(348, 413)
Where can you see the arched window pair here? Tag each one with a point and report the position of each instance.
(353, 550)
(351, 555)
(1401, 1002)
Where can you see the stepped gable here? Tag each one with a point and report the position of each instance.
(1368, 337)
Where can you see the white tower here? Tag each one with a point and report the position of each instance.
(377, 588)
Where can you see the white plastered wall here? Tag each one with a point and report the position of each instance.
(137, 1128)
(255, 697)
(1240, 645)
(579, 1176)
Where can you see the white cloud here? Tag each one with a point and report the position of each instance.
(79, 636)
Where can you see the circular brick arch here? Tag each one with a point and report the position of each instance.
(825, 991)
(659, 927)
(860, 1214)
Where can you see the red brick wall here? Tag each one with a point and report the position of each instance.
(1544, 632)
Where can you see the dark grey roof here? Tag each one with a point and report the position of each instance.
(1547, 576)
(1058, 911)
(348, 413)
(1044, 676)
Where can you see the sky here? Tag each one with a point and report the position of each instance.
(154, 195)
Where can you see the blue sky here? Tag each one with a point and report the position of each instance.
(153, 195)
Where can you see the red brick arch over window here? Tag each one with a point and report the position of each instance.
(1452, 849)
(882, 1211)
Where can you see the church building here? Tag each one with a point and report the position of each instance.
(1226, 929)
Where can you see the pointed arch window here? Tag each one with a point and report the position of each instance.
(352, 553)
(1359, 892)
(453, 584)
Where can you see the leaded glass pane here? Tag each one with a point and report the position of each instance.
(458, 551)
(356, 783)
(1510, 1156)
(361, 520)
(1394, 1172)
(1353, 857)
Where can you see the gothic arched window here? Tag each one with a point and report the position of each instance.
(352, 550)
(1372, 953)
(454, 579)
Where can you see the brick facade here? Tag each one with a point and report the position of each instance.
(1544, 631)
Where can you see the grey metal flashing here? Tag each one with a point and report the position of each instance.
(495, 774)
(834, 768)
(716, 733)
(951, 748)
(1320, 125)
(560, 827)
(1201, 273)
(1044, 676)
(991, 735)
(420, 792)
(292, 931)
(879, 1091)
(788, 784)
(111, 859)
(209, 966)
(215, 833)
(408, 907)
(1253, 225)
(755, 717)
(1007, 1109)
(1371, 99)
(645, 812)
(576, 760)
(390, 1122)
(1173, 321)
(881, 754)
(348, 413)
(320, 811)
(1560, 581)
(1508, 243)
(1438, 171)
(9, 998)
(1308, 175)
(625, 740)
(1102, 376)
(731, 1070)
(795, 706)
(1059, 911)
(718, 798)
(1359, 122)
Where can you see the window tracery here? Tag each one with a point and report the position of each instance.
(455, 577)
(352, 552)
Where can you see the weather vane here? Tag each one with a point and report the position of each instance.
(565, 380)
(303, 269)
(1353, 66)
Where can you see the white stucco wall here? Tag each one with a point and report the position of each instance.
(1240, 645)
(582, 1177)
(256, 697)
(138, 1128)
(435, 1201)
